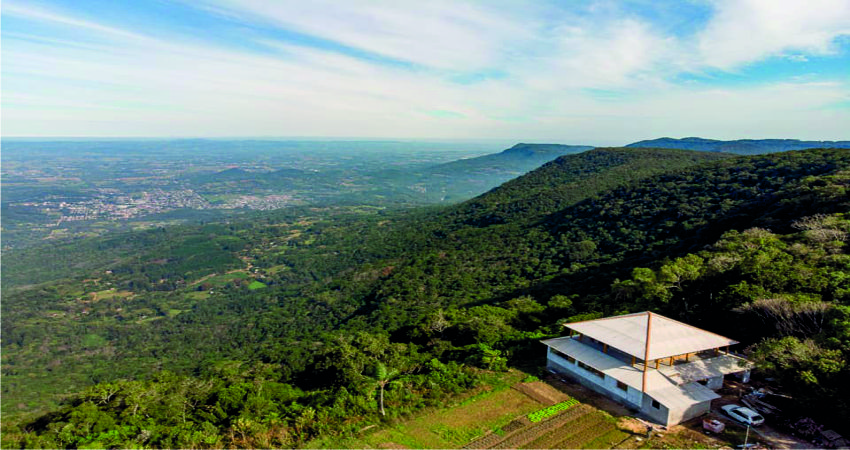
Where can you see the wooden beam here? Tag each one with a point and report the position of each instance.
(604, 348)
(671, 361)
(633, 361)
(687, 355)
(646, 349)
(656, 363)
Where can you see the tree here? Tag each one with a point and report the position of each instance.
(384, 377)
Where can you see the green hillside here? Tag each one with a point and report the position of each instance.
(739, 146)
(427, 301)
(465, 178)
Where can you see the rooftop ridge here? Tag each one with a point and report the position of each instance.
(652, 339)
(691, 326)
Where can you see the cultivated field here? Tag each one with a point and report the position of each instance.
(501, 418)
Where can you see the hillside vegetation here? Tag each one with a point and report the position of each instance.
(465, 178)
(740, 146)
(171, 350)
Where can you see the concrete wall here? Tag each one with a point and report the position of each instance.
(715, 383)
(696, 410)
(607, 386)
(659, 415)
(632, 397)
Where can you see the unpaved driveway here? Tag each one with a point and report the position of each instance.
(780, 440)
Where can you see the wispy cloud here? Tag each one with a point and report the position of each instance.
(748, 31)
(598, 72)
(439, 34)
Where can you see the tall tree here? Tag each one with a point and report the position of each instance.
(383, 376)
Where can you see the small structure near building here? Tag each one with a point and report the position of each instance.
(666, 369)
(713, 425)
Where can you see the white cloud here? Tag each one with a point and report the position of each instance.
(40, 14)
(612, 55)
(440, 34)
(746, 31)
(126, 82)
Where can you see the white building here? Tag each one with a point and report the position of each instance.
(666, 369)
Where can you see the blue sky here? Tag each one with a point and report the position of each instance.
(597, 72)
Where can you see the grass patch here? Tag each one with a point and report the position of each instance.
(109, 294)
(220, 280)
(93, 341)
(256, 285)
(451, 427)
(278, 268)
(607, 440)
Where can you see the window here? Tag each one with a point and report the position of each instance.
(656, 405)
(623, 386)
(591, 370)
(569, 358)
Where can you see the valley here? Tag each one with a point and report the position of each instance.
(474, 225)
(276, 325)
(54, 191)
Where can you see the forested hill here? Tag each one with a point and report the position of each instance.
(740, 146)
(569, 179)
(518, 159)
(582, 247)
(465, 178)
(277, 333)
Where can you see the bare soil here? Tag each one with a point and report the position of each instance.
(589, 397)
(541, 392)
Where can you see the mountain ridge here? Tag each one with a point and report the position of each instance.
(738, 146)
(435, 294)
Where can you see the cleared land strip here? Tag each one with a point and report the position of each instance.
(576, 432)
(541, 392)
(529, 432)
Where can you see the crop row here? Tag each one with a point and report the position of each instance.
(581, 438)
(537, 416)
(492, 439)
(556, 435)
(485, 442)
(534, 431)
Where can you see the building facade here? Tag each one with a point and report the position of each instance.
(663, 368)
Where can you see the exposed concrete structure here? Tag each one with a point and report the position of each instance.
(666, 369)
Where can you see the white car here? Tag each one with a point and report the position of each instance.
(743, 414)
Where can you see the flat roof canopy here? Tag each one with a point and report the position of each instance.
(667, 337)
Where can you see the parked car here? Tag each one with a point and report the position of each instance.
(743, 414)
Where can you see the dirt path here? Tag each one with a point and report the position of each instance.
(541, 392)
(780, 440)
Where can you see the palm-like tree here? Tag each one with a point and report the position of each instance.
(382, 378)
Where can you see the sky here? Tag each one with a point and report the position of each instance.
(593, 72)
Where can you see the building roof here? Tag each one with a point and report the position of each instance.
(667, 337)
(710, 368)
(606, 364)
(669, 388)
(679, 397)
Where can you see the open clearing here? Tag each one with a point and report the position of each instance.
(452, 427)
(497, 417)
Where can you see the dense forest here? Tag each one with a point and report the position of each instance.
(277, 330)
(739, 146)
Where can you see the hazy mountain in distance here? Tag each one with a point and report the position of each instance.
(740, 146)
(518, 159)
(466, 178)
